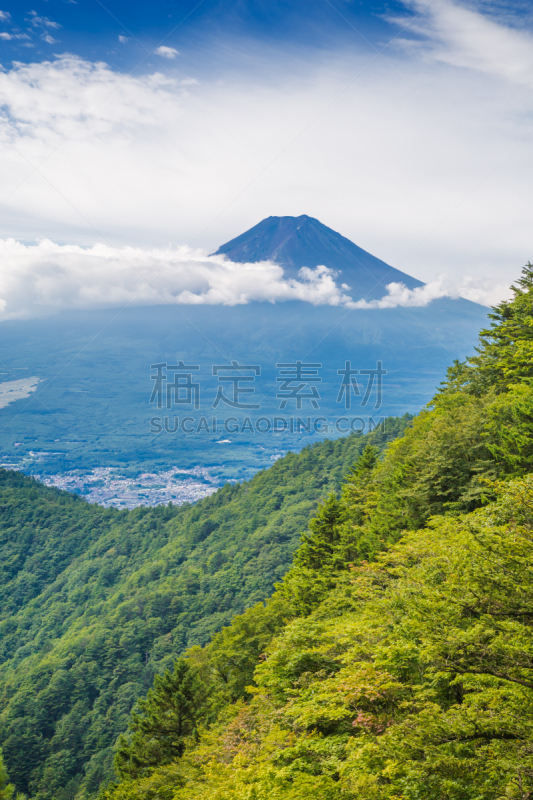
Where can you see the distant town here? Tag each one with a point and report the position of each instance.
(106, 486)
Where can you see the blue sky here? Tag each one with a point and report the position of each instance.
(408, 127)
(91, 28)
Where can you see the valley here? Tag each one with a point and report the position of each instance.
(108, 394)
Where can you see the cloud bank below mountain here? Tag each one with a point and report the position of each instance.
(40, 279)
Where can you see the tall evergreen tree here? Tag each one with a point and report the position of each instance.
(318, 545)
(356, 490)
(327, 548)
(168, 716)
(505, 352)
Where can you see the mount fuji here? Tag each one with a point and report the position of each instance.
(97, 369)
(295, 242)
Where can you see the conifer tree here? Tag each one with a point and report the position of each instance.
(356, 490)
(505, 353)
(318, 546)
(327, 548)
(168, 717)
(312, 573)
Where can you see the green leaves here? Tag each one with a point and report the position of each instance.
(6, 789)
(97, 602)
(404, 667)
(430, 676)
(505, 352)
(420, 688)
(167, 718)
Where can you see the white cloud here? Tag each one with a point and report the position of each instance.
(5, 15)
(482, 291)
(38, 279)
(7, 36)
(166, 52)
(49, 39)
(485, 291)
(45, 277)
(399, 295)
(463, 37)
(42, 22)
(123, 39)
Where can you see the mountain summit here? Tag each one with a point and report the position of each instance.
(295, 242)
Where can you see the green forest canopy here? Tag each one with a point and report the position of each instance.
(96, 602)
(395, 659)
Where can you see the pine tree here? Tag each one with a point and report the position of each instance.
(505, 352)
(357, 540)
(168, 716)
(319, 545)
(330, 544)
(356, 490)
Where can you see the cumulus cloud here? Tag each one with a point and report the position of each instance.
(38, 279)
(123, 39)
(166, 52)
(46, 277)
(399, 295)
(5, 16)
(485, 291)
(482, 291)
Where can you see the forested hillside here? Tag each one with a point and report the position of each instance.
(395, 659)
(96, 602)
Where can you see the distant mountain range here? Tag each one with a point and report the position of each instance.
(97, 369)
(295, 242)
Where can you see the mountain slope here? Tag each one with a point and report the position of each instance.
(78, 650)
(295, 242)
(42, 531)
(404, 668)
